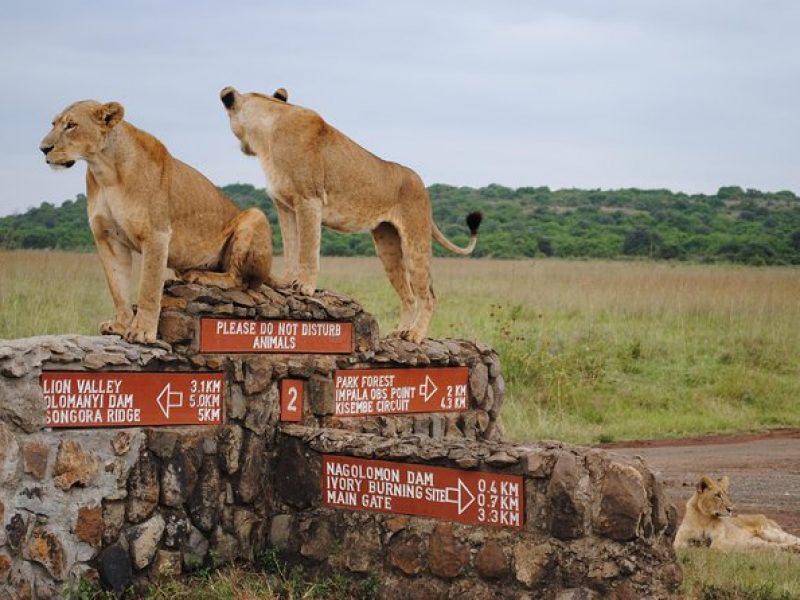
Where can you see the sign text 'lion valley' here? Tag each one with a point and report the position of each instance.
(275, 336)
(122, 399)
(395, 391)
(471, 497)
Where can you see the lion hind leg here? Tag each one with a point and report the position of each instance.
(417, 261)
(773, 533)
(389, 250)
(248, 257)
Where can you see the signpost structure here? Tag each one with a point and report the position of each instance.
(361, 392)
(126, 399)
(471, 497)
(275, 336)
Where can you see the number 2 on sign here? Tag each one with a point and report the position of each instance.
(291, 400)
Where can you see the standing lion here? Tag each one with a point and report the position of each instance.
(318, 176)
(141, 199)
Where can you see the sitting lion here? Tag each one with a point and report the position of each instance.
(709, 522)
(318, 176)
(141, 199)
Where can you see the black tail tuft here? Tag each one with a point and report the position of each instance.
(474, 221)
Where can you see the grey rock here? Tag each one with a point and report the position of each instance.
(143, 488)
(253, 471)
(143, 540)
(478, 383)
(229, 445)
(565, 519)
(280, 531)
(297, 474)
(195, 549)
(116, 569)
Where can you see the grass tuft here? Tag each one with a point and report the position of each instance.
(712, 575)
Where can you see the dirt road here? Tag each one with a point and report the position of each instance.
(764, 470)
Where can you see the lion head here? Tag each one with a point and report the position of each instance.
(78, 132)
(243, 117)
(712, 497)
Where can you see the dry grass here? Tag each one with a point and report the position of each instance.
(592, 351)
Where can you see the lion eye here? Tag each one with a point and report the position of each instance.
(69, 126)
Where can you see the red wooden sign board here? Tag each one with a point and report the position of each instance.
(471, 497)
(394, 391)
(291, 400)
(122, 399)
(275, 336)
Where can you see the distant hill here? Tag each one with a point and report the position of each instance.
(733, 225)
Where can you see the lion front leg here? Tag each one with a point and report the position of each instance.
(291, 259)
(144, 327)
(308, 213)
(116, 260)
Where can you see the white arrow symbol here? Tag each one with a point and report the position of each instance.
(167, 399)
(428, 389)
(461, 492)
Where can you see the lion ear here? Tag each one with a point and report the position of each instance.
(725, 482)
(281, 94)
(704, 483)
(110, 113)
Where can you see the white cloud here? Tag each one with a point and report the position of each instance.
(684, 95)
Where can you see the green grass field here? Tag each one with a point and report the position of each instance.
(592, 351)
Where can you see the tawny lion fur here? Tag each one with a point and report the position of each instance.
(318, 176)
(709, 522)
(141, 199)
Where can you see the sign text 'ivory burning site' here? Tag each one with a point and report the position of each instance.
(471, 497)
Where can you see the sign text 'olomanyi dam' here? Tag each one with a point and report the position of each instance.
(125, 399)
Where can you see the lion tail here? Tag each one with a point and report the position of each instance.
(473, 222)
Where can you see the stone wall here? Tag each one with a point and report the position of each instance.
(127, 504)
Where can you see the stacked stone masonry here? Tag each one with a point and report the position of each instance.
(129, 504)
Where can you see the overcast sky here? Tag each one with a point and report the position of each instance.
(684, 95)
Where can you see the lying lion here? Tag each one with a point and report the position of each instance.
(709, 522)
(141, 199)
(318, 176)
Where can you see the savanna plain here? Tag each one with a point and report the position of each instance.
(592, 351)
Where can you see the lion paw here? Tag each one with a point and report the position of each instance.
(192, 277)
(140, 332)
(304, 288)
(224, 281)
(113, 328)
(412, 336)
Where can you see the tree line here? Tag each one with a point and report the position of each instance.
(734, 225)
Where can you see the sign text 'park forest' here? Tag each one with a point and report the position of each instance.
(275, 336)
(124, 399)
(472, 497)
(395, 391)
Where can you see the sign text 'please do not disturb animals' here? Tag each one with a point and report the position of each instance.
(362, 392)
(275, 336)
(471, 497)
(123, 399)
